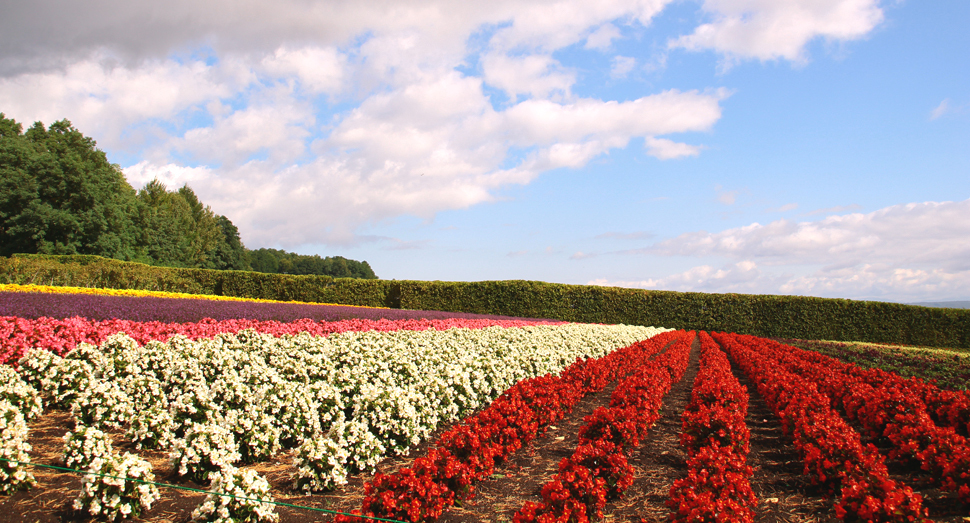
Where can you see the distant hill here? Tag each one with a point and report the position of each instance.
(945, 304)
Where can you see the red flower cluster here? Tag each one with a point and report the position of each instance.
(60, 336)
(831, 450)
(888, 406)
(598, 469)
(469, 452)
(948, 408)
(715, 437)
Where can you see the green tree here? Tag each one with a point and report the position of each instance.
(230, 253)
(60, 195)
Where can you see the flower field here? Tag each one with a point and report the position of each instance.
(459, 419)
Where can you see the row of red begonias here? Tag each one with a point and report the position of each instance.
(831, 450)
(60, 336)
(716, 439)
(890, 407)
(948, 408)
(598, 469)
(469, 452)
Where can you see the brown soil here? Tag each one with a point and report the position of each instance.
(784, 494)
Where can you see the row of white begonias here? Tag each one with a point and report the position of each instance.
(14, 474)
(19, 403)
(343, 401)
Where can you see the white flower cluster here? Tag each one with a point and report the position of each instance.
(38, 368)
(104, 404)
(84, 447)
(205, 449)
(14, 474)
(237, 496)
(115, 489)
(19, 393)
(323, 463)
(152, 428)
(246, 395)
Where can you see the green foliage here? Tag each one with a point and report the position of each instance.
(275, 261)
(60, 195)
(760, 315)
(98, 272)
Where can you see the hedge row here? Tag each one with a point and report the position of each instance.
(759, 315)
(95, 271)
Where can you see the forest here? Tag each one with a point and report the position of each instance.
(59, 194)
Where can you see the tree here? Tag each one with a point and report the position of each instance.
(230, 253)
(60, 195)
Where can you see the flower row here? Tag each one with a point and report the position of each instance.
(468, 452)
(344, 401)
(832, 451)
(948, 408)
(887, 406)
(18, 334)
(715, 437)
(598, 469)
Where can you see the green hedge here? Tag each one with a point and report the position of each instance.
(95, 271)
(762, 315)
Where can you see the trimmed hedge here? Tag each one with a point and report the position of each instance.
(95, 271)
(759, 315)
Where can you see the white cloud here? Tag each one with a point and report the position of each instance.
(317, 69)
(173, 176)
(104, 99)
(866, 282)
(622, 65)
(665, 149)
(724, 196)
(536, 75)
(931, 233)
(773, 29)
(941, 109)
(603, 37)
(948, 107)
(883, 281)
(741, 277)
(305, 121)
(904, 252)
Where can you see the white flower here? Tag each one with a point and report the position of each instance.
(115, 497)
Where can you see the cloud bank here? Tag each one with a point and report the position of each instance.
(902, 253)
(306, 121)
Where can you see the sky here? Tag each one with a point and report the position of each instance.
(797, 147)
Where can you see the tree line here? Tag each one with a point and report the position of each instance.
(59, 194)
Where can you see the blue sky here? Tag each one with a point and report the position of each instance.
(811, 147)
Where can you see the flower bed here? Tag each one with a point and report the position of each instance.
(598, 470)
(246, 395)
(60, 336)
(832, 451)
(715, 437)
(469, 452)
(890, 407)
